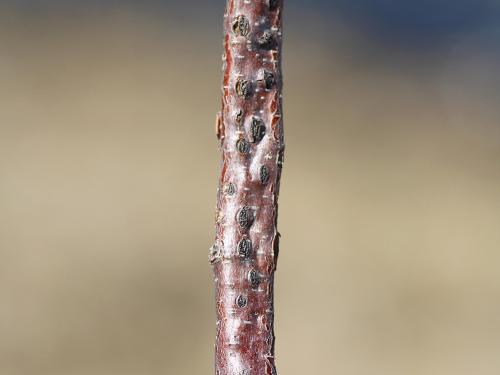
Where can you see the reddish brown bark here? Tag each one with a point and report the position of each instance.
(250, 130)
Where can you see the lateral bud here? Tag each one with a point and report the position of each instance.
(215, 253)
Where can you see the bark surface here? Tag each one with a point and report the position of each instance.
(250, 130)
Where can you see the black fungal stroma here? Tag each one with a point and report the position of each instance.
(230, 189)
(264, 174)
(258, 130)
(241, 301)
(254, 278)
(273, 4)
(242, 88)
(266, 39)
(245, 217)
(241, 26)
(245, 248)
(269, 80)
(243, 146)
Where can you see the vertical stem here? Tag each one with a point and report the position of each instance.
(250, 130)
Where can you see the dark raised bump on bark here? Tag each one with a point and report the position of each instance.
(250, 131)
(243, 87)
(245, 248)
(241, 26)
(241, 301)
(263, 175)
(269, 80)
(266, 40)
(245, 217)
(230, 189)
(257, 130)
(243, 146)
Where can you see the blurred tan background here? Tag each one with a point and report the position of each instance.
(390, 202)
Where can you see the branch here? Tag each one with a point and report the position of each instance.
(250, 130)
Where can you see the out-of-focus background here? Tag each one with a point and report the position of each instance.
(390, 202)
